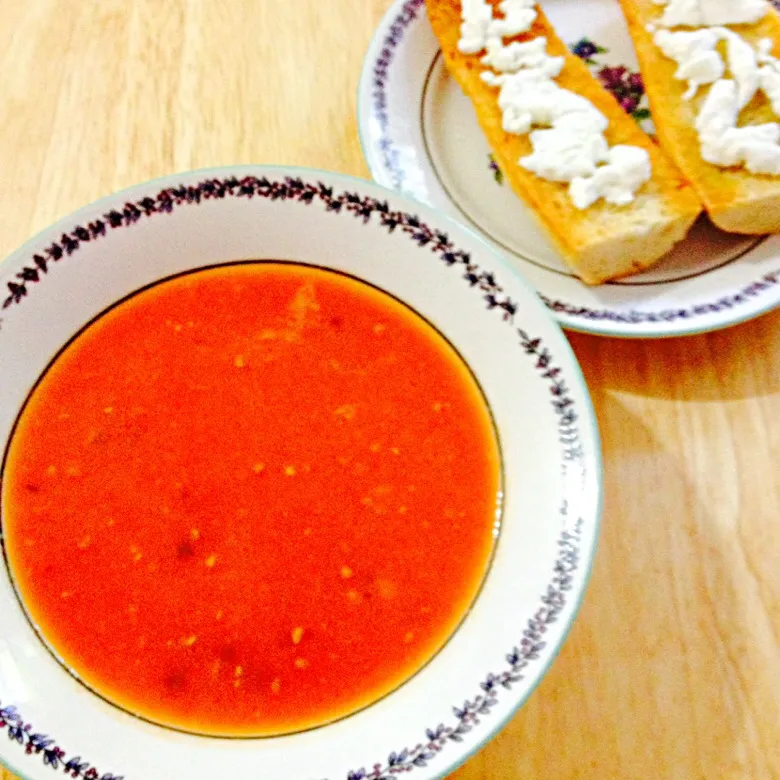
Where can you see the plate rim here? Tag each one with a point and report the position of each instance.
(578, 323)
(592, 490)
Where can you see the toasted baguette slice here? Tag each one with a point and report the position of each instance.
(602, 242)
(737, 201)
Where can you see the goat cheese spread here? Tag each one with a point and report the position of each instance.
(565, 129)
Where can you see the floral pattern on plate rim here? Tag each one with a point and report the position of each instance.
(366, 208)
(406, 16)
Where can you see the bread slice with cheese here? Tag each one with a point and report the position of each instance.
(601, 242)
(737, 201)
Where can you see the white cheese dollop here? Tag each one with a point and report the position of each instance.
(706, 13)
(478, 27)
(527, 99)
(519, 15)
(719, 110)
(699, 62)
(572, 148)
(743, 66)
(754, 147)
(724, 144)
(517, 55)
(696, 56)
(477, 16)
(627, 169)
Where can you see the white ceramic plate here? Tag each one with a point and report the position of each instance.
(421, 138)
(71, 272)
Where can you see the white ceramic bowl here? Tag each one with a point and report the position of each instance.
(71, 272)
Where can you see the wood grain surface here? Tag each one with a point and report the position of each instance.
(673, 668)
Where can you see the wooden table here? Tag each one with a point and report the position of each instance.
(673, 668)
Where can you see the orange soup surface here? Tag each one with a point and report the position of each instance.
(251, 499)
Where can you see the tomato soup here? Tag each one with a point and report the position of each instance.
(251, 499)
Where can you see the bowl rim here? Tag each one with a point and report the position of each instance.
(564, 352)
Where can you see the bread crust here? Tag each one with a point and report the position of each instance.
(736, 200)
(604, 241)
